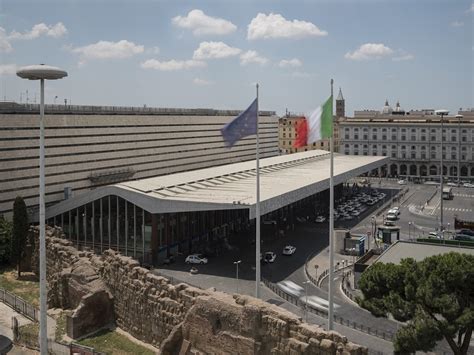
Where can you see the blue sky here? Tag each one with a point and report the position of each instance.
(210, 53)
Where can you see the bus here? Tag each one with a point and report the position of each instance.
(448, 193)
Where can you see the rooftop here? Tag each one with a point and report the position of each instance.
(283, 180)
(16, 108)
(418, 251)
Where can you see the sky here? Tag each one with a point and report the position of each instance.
(210, 54)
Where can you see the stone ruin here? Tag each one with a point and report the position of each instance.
(178, 319)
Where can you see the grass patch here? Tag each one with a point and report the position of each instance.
(27, 287)
(60, 327)
(28, 335)
(112, 342)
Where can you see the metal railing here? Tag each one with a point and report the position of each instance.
(19, 305)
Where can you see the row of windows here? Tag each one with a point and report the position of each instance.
(403, 147)
(404, 138)
(405, 130)
(422, 156)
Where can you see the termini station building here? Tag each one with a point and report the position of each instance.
(153, 218)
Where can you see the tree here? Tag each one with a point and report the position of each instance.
(5, 241)
(20, 231)
(435, 297)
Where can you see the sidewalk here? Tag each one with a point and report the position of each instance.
(320, 262)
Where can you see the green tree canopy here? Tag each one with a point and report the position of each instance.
(435, 297)
(20, 231)
(5, 240)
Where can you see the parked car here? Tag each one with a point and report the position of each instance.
(436, 235)
(464, 237)
(195, 259)
(467, 184)
(453, 184)
(320, 219)
(289, 250)
(290, 288)
(402, 182)
(466, 232)
(371, 202)
(269, 257)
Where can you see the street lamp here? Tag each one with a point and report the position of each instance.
(305, 283)
(236, 263)
(409, 230)
(42, 72)
(441, 113)
(459, 117)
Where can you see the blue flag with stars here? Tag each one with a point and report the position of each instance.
(243, 125)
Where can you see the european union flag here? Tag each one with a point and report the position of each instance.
(243, 125)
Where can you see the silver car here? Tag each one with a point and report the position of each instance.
(291, 288)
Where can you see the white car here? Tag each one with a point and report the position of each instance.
(195, 259)
(289, 250)
(394, 211)
(269, 257)
(467, 184)
(453, 184)
(402, 182)
(435, 235)
(320, 219)
(290, 288)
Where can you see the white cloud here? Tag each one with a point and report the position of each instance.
(108, 50)
(41, 29)
(172, 65)
(403, 57)
(8, 69)
(290, 63)
(5, 46)
(369, 51)
(214, 50)
(276, 26)
(202, 24)
(471, 9)
(457, 24)
(202, 82)
(252, 57)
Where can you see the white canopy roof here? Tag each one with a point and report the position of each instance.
(283, 180)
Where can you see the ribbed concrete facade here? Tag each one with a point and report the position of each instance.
(88, 147)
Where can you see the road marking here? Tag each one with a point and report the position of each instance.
(464, 195)
(458, 209)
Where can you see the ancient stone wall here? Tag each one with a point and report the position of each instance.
(184, 319)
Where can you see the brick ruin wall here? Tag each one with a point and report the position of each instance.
(182, 318)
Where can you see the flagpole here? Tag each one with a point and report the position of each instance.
(331, 222)
(257, 215)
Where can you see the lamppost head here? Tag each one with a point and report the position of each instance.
(41, 72)
(441, 112)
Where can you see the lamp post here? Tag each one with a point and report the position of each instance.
(236, 263)
(441, 113)
(305, 283)
(409, 230)
(42, 72)
(459, 117)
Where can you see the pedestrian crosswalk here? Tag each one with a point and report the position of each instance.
(464, 195)
(454, 209)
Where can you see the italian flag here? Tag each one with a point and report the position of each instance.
(316, 126)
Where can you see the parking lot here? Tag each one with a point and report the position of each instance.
(307, 236)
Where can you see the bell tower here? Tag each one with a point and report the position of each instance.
(340, 105)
